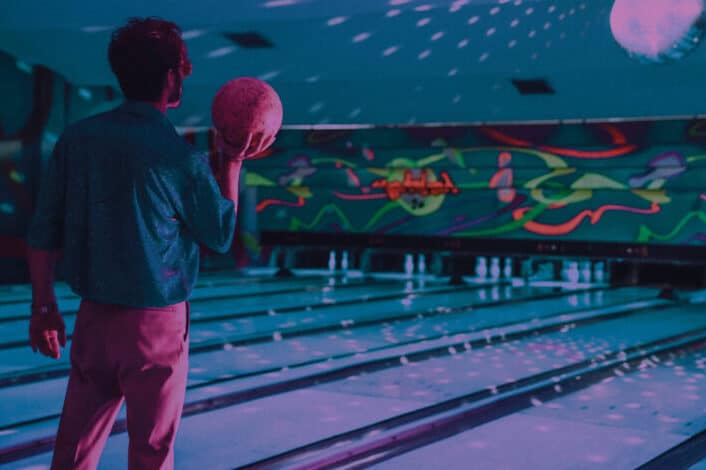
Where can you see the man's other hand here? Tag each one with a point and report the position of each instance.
(47, 332)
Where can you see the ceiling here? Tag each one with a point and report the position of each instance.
(379, 61)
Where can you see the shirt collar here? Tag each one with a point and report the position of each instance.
(142, 108)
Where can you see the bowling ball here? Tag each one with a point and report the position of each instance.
(243, 106)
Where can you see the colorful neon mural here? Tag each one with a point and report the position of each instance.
(629, 182)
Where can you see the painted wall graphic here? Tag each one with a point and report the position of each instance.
(631, 182)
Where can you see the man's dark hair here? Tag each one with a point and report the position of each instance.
(141, 53)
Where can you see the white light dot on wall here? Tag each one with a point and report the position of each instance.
(220, 52)
(572, 11)
(494, 11)
(313, 79)
(390, 50)
(473, 20)
(393, 13)
(337, 20)
(361, 37)
(354, 113)
(456, 99)
(424, 54)
(316, 107)
(517, 3)
(582, 6)
(85, 93)
(423, 22)
(425, 7)
(398, 2)
(529, 11)
(551, 9)
(562, 17)
(512, 44)
(547, 25)
(514, 23)
(532, 34)
(437, 36)
(462, 43)
(193, 119)
(484, 56)
(453, 72)
(490, 32)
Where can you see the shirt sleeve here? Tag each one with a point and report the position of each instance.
(46, 228)
(206, 213)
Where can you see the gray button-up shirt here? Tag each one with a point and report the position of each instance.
(128, 201)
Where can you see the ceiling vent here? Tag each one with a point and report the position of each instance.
(537, 86)
(250, 40)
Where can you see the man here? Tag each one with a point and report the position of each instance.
(125, 203)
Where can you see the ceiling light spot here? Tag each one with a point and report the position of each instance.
(192, 33)
(337, 20)
(280, 3)
(361, 37)
(96, 29)
(424, 54)
(220, 52)
(269, 75)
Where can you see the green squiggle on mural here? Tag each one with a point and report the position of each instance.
(383, 210)
(645, 234)
(296, 223)
(509, 227)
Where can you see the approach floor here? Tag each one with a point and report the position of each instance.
(322, 371)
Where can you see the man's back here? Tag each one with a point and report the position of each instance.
(135, 201)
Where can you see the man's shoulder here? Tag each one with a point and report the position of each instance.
(87, 124)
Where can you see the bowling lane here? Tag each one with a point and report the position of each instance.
(232, 360)
(350, 345)
(338, 406)
(621, 422)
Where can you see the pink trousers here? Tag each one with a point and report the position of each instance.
(136, 355)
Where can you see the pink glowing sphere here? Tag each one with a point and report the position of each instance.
(657, 30)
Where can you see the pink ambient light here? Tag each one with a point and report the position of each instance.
(657, 30)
